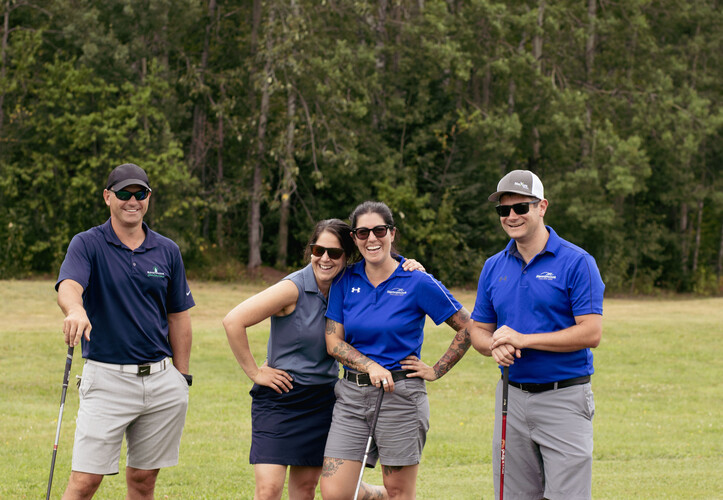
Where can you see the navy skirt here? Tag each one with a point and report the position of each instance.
(291, 428)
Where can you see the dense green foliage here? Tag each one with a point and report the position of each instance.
(257, 118)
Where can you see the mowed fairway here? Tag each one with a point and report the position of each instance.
(657, 390)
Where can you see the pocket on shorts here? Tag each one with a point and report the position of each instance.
(86, 379)
(589, 403)
(180, 376)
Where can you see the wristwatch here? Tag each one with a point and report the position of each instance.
(189, 378)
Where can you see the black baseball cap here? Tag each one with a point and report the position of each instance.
(125, 175)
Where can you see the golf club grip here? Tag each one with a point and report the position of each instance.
(376, 410)
(68, 364)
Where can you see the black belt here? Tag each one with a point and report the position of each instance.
(551, 386)
(362, 379)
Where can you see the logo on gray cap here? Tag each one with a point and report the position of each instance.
(521, 182)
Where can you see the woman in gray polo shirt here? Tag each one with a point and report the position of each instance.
(293, 391)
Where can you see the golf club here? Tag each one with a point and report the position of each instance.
(68, 362)
(503, 438)
(369, 440)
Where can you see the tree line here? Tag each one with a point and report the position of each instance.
(255, 118)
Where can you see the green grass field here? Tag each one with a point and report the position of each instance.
(657, 388)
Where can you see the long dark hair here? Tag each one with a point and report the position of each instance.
(338, 228)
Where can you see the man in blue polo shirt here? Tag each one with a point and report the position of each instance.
(123, 290)
(539, 311)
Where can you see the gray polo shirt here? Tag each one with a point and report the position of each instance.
(296, 342)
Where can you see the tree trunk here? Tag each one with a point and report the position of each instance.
(3, 59)
(287, 180)
(537, 54)
(684, 238)
(719, 267)
(219, 174)
(254, 261)
(589, 64)
(696, 248)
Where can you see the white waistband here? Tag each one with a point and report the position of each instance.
(145, 369)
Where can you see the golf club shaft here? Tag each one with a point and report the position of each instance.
(369, 440)
(503, 436)
(68, 363)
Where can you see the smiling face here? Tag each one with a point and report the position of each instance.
(325, 268)
(527, 227)
(127, 214)
(374, 250)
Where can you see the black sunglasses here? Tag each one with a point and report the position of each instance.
(379, 231)
(520, 208)
(124, 195)
(334, 253)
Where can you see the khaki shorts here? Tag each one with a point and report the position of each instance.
(150, 410)
(401, 428)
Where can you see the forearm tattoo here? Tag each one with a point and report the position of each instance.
(459, 346)
(345, 353)
(349, 356)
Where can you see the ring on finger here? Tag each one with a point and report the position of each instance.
(384, 381)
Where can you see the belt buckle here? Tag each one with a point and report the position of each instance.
(357, 376)
(144, 370)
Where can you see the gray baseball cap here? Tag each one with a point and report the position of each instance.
(521, 182)
(125, 175)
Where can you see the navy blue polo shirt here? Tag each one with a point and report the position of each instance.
(127, 294)
(545, 295)
(386, 323)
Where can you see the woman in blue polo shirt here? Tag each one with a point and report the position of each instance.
(293, 391)
(375, 327)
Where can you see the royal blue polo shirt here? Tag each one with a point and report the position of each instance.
(127, 294)
(386, 323)
(545, 295)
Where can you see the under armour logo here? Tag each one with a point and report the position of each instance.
(355, 290)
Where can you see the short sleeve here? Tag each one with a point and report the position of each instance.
(335, 307)
(435, 300)
(76, 265)
(586, 287)
(484, 311)
(179, 293)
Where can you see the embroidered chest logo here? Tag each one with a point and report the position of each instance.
(547, 276)
(397, 291)
(355, 290)
(155, 273)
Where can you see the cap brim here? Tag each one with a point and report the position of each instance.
(496, 196)
(130, 182)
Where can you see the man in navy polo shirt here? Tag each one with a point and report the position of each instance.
(123, 290)
(539, 311)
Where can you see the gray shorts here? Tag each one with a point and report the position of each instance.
(401, 428)
(548, 452)
(150, 410)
